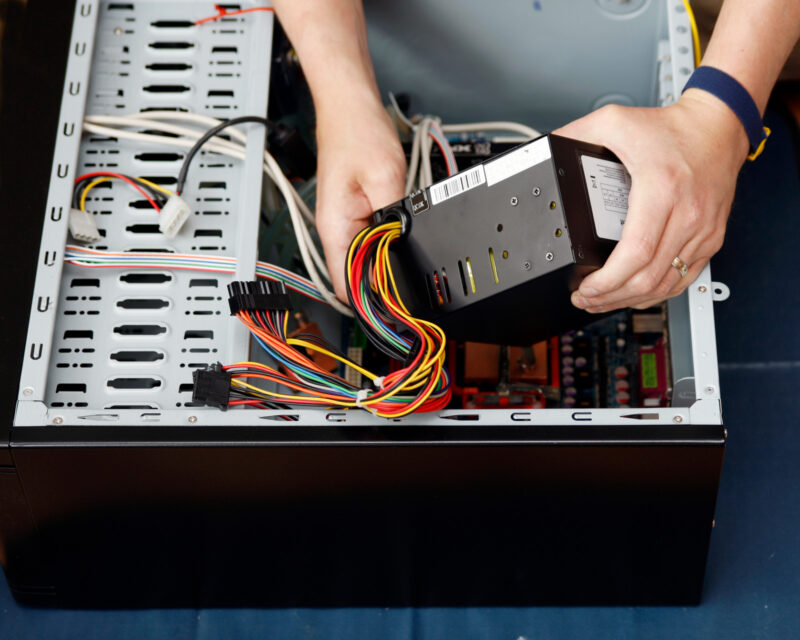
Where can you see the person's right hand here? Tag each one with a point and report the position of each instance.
(360, 168)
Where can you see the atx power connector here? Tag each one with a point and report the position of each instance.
(82, 226)
(173, 216)
(260, 295)
(212, 386)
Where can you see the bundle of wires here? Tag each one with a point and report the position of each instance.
(420, 383)
(92, 258)
(427, 130)
(154, 193)
(192, 139)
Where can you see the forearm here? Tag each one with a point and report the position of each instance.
(331, 41)
(751, 42)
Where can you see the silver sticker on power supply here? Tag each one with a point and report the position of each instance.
(514, 162)
(458, 184)
(608, 184)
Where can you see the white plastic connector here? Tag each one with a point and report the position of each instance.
(173, 216)
(82, 226)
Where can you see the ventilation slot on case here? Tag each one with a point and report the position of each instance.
(145, 278)
(133, 383)
(140, 329)
(137, 356)
(149, 304)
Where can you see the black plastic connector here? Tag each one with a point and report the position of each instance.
(212, 386)
(261, 295)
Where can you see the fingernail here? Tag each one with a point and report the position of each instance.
(588, 291)
(578, 300)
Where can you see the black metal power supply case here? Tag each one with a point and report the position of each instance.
(492, 253)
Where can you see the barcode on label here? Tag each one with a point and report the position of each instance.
(460, 183)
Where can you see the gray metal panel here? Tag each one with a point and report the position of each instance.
(219, 69)
(652, 46)
(559, 58)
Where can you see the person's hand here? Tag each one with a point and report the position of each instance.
(360, 168)
(683, 160)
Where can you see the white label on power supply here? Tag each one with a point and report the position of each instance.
(608, 184)
(516, 161)
(459, 183)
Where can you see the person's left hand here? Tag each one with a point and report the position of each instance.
(684, 160)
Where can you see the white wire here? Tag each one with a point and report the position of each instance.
(517, 127)
(313, 261)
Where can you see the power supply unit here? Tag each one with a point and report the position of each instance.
(492, 253)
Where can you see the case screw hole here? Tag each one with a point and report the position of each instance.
(537, 191)
(526, 265)
(58, 420)
(678, 419)
(192, 419)
(27, 391)
(702, 288)
(548, 256)
(514, 201)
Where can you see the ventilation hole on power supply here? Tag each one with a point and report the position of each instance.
(143, 303)
(224, 50)
(84, 282)
(446, 286)
(220, 93)
(430, 290)
(70, 387)
(133, 383)
(438, 288)
(197, 334)
(142, 228)
(471, 275)
(171, 45)
(166, 88)
(149, 250)
(494, 266)
(208, 233)
(463, 279)
(203, 282)
(154, 156)
(172, 24)
(79, 334)
(145, 278)
(186, 387)
(168, 66)
(140, 329)
(211, 184)
(120, 6)
(137, 356)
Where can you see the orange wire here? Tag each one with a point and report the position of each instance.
(224, 13)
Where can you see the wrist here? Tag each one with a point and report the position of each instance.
(712, 116)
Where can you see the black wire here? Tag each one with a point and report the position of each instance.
(206, 137)
(159, 197)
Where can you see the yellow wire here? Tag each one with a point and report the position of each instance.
(349, 363)
(155, 186)
(94, 183)
(88, 188)
(695, 34)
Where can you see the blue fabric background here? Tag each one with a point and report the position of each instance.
(752, 585)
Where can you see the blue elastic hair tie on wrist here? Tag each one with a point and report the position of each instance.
(728, 89)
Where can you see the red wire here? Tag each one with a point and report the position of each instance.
(444, 155)
(97, 174)
(224, 13)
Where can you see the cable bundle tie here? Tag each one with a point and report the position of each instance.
(362, 395)
(378, 382)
